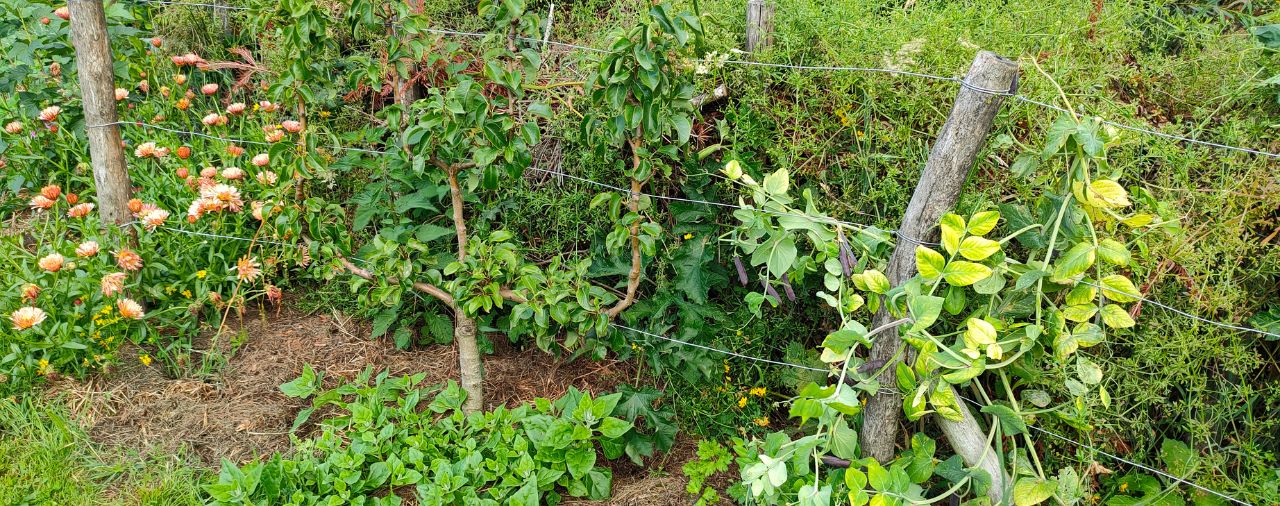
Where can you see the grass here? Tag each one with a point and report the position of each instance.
(46, 459)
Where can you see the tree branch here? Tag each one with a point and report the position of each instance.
(633, 277)
(426, 288)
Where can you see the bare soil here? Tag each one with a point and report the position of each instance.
(240, 414)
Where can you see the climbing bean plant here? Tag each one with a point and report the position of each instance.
(1009, 294)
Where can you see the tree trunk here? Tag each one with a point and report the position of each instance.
(950, 159)
(470, 366)
(97, 86)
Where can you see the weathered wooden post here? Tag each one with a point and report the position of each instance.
(950, 159)
(97, 88)
(759, 24)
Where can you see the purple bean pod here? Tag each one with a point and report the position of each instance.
(742, 272)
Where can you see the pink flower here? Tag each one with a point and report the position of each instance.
(30, 292)
(62, 12)
(208, 172)
(247, 269)
(209, 89)
(130, 309)
(235, 150)
(292, 126)
(232, 173)
(154, 218)
(52, 262)
(267, 106)
(213, 119)
(41, 203)
(121, 94)
(13, 128)
(87, 249)
(261, 159)
(27, 317)
(235, 108)
(113, 283)
(147, 150)
(50, 113)
(128, 260)
(267, 178)
(275, 135)
(80, 210)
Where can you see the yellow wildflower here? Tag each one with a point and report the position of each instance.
(742, 402)
(324, 114)
(758, 391)
(200, 274)
(1124, 486)
(168, 290)
(43, 367)
(145, 359)
(186, 293)
(688, 236)
(634, 347)
(762, 421)
(726, 367)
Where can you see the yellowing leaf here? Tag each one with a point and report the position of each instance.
(1116, 317)
(1075, 261)
(777, 182)
(929, 262)
(978, 248)
(1138, 220)
(1109, 192)
(876, 281)
(1032, 491)
(1114, 252)
(979, 332)
(962, 273)
(1119, 288)
(983, 222)
(952, 230)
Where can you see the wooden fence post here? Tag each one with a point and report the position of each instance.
(97, 89)
(950, 160)
(759, 24)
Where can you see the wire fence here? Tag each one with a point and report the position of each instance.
(762, 360)
(1011, 93)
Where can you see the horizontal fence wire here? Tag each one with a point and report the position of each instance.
(195, 4)
(976, 404)
(1180, 312)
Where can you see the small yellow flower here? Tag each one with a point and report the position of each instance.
(739, 333)
(726, 367)
(861, 134)
(200, 274)
(145, 359)
(256, 107)
(324, 114)
(742, 402)
(168, 290)
(43, 367)
(762, 421)
(688, 236)
(1124, 486)
(187, 294)
(758, 391)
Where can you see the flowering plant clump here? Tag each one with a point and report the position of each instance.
(76, 288)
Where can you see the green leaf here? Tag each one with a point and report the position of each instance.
(777, 182)
(1031, 491)
(952, 230)
(1024, 164)
(690, 264)
(782, 256)
(303, 386)
(924, 310)
(614, 428)
(1010, 422)
(1113, 252)
(580, 459)
(541, 109)
(979, 332)
(1119, 288)
(978, 248)
(929, 263)
(1075, 261)
(1116, 317)
(962, 273)
(1178, 458)
(844, 440)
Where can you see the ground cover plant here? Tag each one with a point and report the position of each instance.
(483, 190)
